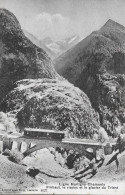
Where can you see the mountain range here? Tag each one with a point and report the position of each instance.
(28, 79)
(52, 47)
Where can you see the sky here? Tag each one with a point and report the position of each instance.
(58, 19)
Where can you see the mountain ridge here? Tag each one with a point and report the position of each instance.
(96, 65)
(112, 24)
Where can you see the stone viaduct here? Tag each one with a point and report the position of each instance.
(28, 145)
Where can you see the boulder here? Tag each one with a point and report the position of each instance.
(52, 104)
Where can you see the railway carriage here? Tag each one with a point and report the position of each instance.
(43, 134)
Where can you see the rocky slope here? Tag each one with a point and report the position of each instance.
(97, 66)
(13, 176)
(109, 172)
(19, 57)
(50, 104)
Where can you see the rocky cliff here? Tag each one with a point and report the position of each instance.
(19, 57)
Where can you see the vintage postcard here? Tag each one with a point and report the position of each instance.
(62, 97)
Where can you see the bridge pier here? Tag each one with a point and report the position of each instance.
(24, 146)
(19, 146)
(32, 144)
(14, 145)
(1, 143)
(1, 147)
(7, 143)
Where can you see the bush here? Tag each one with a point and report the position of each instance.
(6, 123)
(103, 136)
(16, 156)
(7, 152)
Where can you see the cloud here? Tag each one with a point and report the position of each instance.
(45, 24)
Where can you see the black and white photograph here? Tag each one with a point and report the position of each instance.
(62, 97)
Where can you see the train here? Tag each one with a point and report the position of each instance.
(43, 134)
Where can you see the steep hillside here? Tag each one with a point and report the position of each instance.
(19, 57)
(50, 104)
(97, 66)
